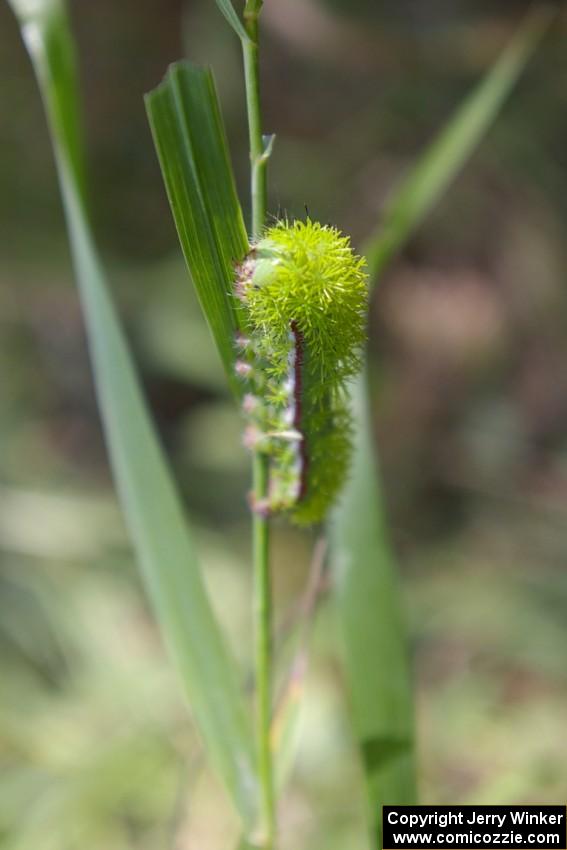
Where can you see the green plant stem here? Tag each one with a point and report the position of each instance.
(258, 156)
(260, 522)
(263, 659)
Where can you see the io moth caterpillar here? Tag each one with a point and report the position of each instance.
(304, 294)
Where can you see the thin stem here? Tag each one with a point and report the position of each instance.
(263, 660)
(258, 157)
(260, 522)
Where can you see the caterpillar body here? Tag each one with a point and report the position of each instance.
(305, 294)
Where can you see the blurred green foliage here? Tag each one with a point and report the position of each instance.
(469, 332)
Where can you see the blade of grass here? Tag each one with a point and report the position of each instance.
(368, 598)
(189, 136)
(285, 732)
(374, 633)
(229, 12)
(430, 177)
(149, 499)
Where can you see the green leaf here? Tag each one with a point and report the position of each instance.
(370, 611)
(228, 11)
(429, 179)
(187, 127)
(149, 499)
(368, 598)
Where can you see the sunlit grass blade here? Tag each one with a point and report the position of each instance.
(229, 12)
(368, 595)
(149, 499)
(286, 722)
(286, 725)
(430, 177)
(187, 127)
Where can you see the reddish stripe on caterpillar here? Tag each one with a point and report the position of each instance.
(298, 349)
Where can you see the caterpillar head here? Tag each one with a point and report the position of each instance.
(305, 294)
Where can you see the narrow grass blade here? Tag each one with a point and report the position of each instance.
(368, 597)
(285, 732)
(149, 499)
(287, 720)
(429, 179)
(229, 12)
(187, 127)
(370, 610)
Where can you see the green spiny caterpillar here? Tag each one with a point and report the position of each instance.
(305, 294)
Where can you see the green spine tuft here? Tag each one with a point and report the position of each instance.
(305, 295)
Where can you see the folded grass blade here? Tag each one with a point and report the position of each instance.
(187, 127)
(149, 499)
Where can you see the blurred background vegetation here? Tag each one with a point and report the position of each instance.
(469, 340)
